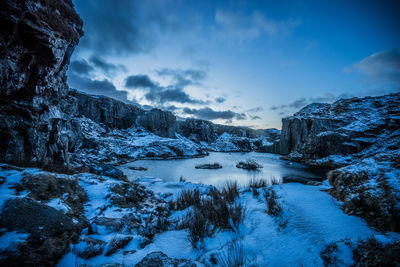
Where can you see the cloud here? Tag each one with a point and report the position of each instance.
(220, 100)
(139, 81)
(97, 87)
(249, 27)
(183, 78)
(160, 95)
(380, 68)
(210, 114)
(125, 27)
(81, 66)
(107, 68)
(255, 118)
(254, 110)
(301, 102)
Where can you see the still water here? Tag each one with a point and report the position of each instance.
(273, 169)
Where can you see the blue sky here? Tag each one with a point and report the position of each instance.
(244, 63)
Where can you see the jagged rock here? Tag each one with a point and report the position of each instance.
(46, 186)
(198, 130)
(107, 111)
(159, 259)
(108, 170)
(344, 127)
(116, 244)
(374, 253)
(89, 247)
(36, 42)
(162, 123)
(362, 137)
(50, 233)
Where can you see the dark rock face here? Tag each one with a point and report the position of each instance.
(162, 123)
(110, 112)
(50, 233)
(37, 39)
(159, 259)
(200, 130)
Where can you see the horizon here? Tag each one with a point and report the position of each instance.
(236, 63)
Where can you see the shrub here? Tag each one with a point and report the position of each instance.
(273, 207)
(248, 165)
(258, 183)
(211, 212)
(235, 256)
(230, 191)
(188, 198)
(198, 228)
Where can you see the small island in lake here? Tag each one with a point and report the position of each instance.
(209, 166)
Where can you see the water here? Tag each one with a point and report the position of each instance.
(273, 169)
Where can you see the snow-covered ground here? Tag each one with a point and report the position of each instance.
(313, 221)
(127, 221)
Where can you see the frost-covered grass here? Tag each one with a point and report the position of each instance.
(208, 213)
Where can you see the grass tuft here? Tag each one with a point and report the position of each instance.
(273, 207)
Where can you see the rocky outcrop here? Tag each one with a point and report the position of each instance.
(345, 127)
(49, 233)
(362, 137)
(36, 42)
(104, 110)
(159, 259)
(161, 123)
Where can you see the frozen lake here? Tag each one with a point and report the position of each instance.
(273, 168)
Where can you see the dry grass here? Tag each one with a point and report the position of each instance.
(273, 207)
(234, 257)
(217, 210)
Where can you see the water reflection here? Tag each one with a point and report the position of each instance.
(273, 169)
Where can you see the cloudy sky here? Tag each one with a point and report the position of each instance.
(244, 63)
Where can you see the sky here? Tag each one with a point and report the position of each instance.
(246, 63)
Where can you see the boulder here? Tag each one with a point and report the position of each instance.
(159, 259)
(50, 233)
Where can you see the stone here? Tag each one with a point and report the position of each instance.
(159, 259)
(50, 233)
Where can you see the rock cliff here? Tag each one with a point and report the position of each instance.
(361, 136)
(36, 41)
(345, 127)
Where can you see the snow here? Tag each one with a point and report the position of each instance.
(12, 177)
(58, 204)
(9, 241)
(313, 221)
(313, 218)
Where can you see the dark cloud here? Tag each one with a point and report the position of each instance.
(162, 95)
(81, 66)
(299, 103)
(381, 68)
(183, 78)
(210, 114)
(125, 27)
(107, 68)
(220, 100)
(255, 118)
(97, 87)
(139, 81)
(256, 109)
(295, 104)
